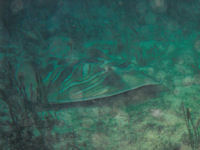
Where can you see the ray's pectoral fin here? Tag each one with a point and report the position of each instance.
(133, 96)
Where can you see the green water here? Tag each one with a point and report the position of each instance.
(99, 75)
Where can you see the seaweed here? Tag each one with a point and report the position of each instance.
(24, 120)
(192, 128)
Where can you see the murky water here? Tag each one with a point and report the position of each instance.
(97, 74)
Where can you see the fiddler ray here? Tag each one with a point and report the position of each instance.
(87, 84)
